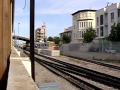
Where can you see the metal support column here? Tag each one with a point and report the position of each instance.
(32, 12)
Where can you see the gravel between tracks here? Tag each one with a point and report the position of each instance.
(89, 65)
(42, 75)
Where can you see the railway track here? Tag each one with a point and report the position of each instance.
(87, 73)
(72, 79)
(97, 62)
(71, 70)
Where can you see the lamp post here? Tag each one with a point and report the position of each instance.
(32, 12)
(15, 41)
(18, 32)
(18, 27)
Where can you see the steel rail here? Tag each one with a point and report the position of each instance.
(87, 73)
(72, 79)
(97, 62)
(94, 75)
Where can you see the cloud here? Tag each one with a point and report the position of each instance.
(49, 7)
(52, 12)
(65, 6)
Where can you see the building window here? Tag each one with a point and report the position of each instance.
(97, 33)
(79, 24)
(118, 12)
(82, 34)
(112, 17)
(101, 19)
(97, 21)
(101, 31)
(89, 24)
(84, 24)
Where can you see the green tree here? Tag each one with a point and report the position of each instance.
(65, 39)
(57, 40)
(89, 35)
(50, 39)
(115, 32)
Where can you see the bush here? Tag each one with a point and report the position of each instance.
(89, 35)
(66, 39)
(115, 33)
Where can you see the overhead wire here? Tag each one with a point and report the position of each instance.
(24, 5)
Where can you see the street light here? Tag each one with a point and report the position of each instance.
(18, 32)
(15, 41)
(18, 27)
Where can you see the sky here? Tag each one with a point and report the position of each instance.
(56, 14)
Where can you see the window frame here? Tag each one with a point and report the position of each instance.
(101, 19)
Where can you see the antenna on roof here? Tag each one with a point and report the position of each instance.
(44, 24)
(108, 3)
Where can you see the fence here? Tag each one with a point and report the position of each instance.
(95, 46)
(105, 46)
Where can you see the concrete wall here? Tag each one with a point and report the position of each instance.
(92, 55)
(48, 52)
(80, 47)
(5, 34)
(83, 51)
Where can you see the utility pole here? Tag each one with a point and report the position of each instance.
(18, 32)
(18, 27)
(32, 13)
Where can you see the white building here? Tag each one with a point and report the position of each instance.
(105, 18)
(67, 32)
(82, 20)
(40, 34)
